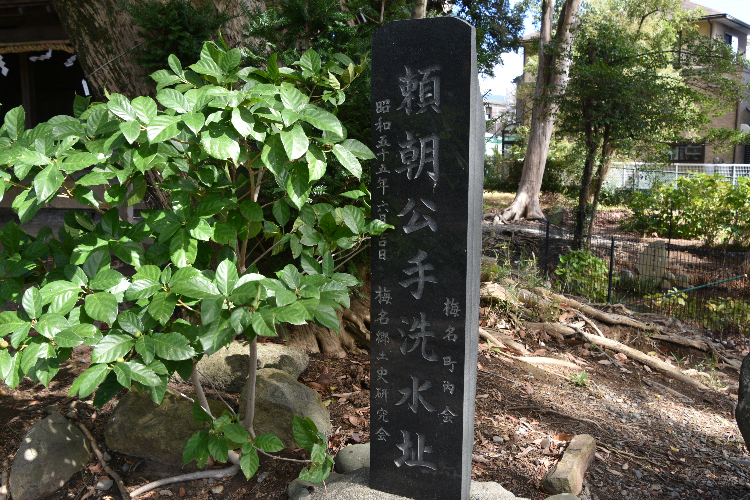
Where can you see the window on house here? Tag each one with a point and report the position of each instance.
(732, 41)
(687, 153)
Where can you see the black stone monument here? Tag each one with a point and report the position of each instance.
(428, 136)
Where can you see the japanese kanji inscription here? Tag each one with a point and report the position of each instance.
(428, 138)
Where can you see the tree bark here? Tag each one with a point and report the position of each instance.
(103, 34)
(554, 64)
(419, 10)
(233, 30)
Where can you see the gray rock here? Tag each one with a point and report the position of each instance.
(292, 361)
(355, 486)
(227, 369)
(278, 397)
(141, 428)
(353, 457)
(52, 451)
(563, 496)
(742, 411)
(104, 485)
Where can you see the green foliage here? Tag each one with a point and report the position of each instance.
(222, 261)
(700, 206)
(729, 312)
(580, 380)
(174, 27)
(583, 273)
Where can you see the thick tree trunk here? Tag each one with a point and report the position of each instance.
(554, 64)
(419, 10)
(103, 35)
(232, 31)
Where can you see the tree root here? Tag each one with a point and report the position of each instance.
(667, 389)
(204, 474)
(115, 476)
(504, 342)
(642, 358)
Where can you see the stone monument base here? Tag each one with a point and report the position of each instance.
(355, 486)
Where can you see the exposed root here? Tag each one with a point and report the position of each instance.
(504, 342)
(115, 476)
(204, 474)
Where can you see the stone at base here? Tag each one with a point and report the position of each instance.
(564, 496)
(355, 486)
(352, 457)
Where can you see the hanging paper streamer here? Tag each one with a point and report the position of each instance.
(43, 57)
(3, 68)
(70, 61)
(85, 87)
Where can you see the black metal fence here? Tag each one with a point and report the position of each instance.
(699, 286)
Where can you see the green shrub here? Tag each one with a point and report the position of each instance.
(701, 206)
(207, 269)
(580, 272)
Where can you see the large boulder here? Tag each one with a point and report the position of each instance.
(742, 411)
(52, 451)
(141, 428)
(353, 457)
(227, 369)
(278, 398)
(292, 361)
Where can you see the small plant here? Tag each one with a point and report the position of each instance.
(709, 363)
(727, 311)
(583, 273)
(580, 380)
(679, 360)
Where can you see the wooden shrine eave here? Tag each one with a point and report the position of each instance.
(31, 26)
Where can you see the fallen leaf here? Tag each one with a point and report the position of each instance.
(526, 451)
(625, 370)
(625, 466)
(96, 468)
(482, 396)
(166, 493)
(645, 367)
(622, 358)
(479, 458)
(604, 362)
(563, 437)
(317, 386)
(355, 437)
(353, 420)
(616, 473)
(182, 492)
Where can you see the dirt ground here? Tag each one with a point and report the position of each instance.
(651, 442)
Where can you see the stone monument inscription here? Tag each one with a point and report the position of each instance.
(428, 137)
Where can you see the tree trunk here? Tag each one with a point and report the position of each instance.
(103, 34)
(554, 64)
(233, 30)
(419, 10)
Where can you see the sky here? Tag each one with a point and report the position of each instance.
(501, 84)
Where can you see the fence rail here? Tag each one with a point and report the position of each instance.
(638, 175)
(714, 285)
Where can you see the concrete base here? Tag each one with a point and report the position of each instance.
(355, 486)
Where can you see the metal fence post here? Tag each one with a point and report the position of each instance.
(546, 251)
(734, 174)
(611, 267)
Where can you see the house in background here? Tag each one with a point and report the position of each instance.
(500, 115)
(734, 33)
(38, 67)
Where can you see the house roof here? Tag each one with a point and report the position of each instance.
(711, 14)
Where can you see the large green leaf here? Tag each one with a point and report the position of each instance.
(183, 248)
(268, 443)
(10, 368)
(14, 122)
(131, 130)
(146, 348)
(220, 144)
(32, 302)
(106, 279)
(292, 98)
(47, 182)
(194, 121)
(226, 276)
(172, 346)
(173, 99)
(245, 124)
(142, 289)
(316, 163)
(78, 161)
(161, 128)
(120, 106)
(111, 347)
(348, 160)
(358, 149)
(9, 322)
(130, 252)
(50, 324)
(141, 373)
(101, 306)
(196, 287)
(353, 218)
(295, 142)
(196, 448)
(211, 308)
(274, 155)
(162, 306)
(322, 119)
(145, 108)
(88, 381)
(249, 461)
